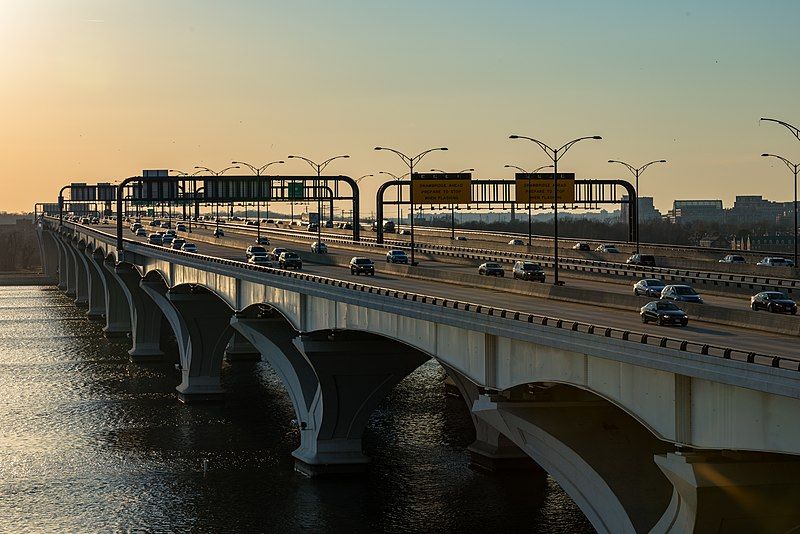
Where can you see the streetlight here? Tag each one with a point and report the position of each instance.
(794, 168)
(257, 171)
(452, 206)
(215, 173)
(411, 161)
(319, 168)
(794, 129)
(399, 194)
(530, 230)
(555, 154)
(636, 171)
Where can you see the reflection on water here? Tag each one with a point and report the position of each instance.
(90, 442)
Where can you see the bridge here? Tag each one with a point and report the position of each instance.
(646, 432)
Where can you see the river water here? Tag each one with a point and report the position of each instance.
(90, 442)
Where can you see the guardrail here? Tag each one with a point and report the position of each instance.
(728, 353)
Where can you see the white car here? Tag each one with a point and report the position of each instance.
(775, 261)
(608, 249)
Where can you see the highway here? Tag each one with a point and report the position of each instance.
(697, 331)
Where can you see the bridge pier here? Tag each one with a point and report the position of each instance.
(117, 312)
(50, 254)
(95, 291)
(201, 322)
(69, 272)
(355, 371)
(145, 314)
(81, 276)
(62, 261)
(239, 349)
(731, 492)
(491, 451)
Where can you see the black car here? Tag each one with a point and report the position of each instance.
(362, 266)
(663, 313)
(219, 233)
(528, 270)
(491, 268)
(581, 246)
(773, 302)
(642, 259)
(177, 243)
(290, 260)
(396, 256)
(262, 240)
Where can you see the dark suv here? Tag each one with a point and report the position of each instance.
(642, 259)
(528, 270)
(362, 266)
(290, 260)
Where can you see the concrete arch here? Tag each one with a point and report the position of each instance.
(200, 320)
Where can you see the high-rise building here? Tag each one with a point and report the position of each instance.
(647, 210)
(697, 210)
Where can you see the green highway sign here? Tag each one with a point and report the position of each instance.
(295, 190)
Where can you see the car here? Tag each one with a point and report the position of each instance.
(581, 246)
(181, 227)
(263, 240)
(607, 249)
(259, 260)
(141, 232)
(312, 227)
(347, 226)
(275, 253)
(189, 247)
(236, 218)
(86, 220)
(682, 293)
(405, 231)
(516, 242)
(255, 250)
(166, 240)
(290, 260)
(649, 287)
(177, 243)
(461, 238)
(733, 258)
(773, 302)
(528, 270)
(173, 233)
(135, 226)
(155, 239)
(318, 247)
(491, 268)
(775, 261)
(166, 224)
(397, 256)
(359, 265)
(642, 259)
(663, 313)
(218, 232)
(155, 223)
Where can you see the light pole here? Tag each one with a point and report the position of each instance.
(794, 129)
(555, 154)
(399, 194)
(636, 171)
(318, 168)
(411, 161)
(794, 168)
(257, 171)
(183, 173)
(530, 230)
(452, 206)
(200, 168)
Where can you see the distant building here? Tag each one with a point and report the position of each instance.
(697, 210)
(647, 210)
(753, 209)
(771, 243)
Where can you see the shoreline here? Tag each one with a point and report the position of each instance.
(24, 278)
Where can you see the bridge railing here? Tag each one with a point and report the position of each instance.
(630, 336)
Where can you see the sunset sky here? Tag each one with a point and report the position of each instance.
(98, 90)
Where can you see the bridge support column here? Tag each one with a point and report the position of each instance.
(239, 349)
(69, 272)
(62, 262)
(731, 492)
(81, 276)
(117, 311)
(355, 371)
(95, 291)
(201, 322)
(491, 451)
(145, 315)
(49, 254)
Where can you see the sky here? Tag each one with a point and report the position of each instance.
(97, 90)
